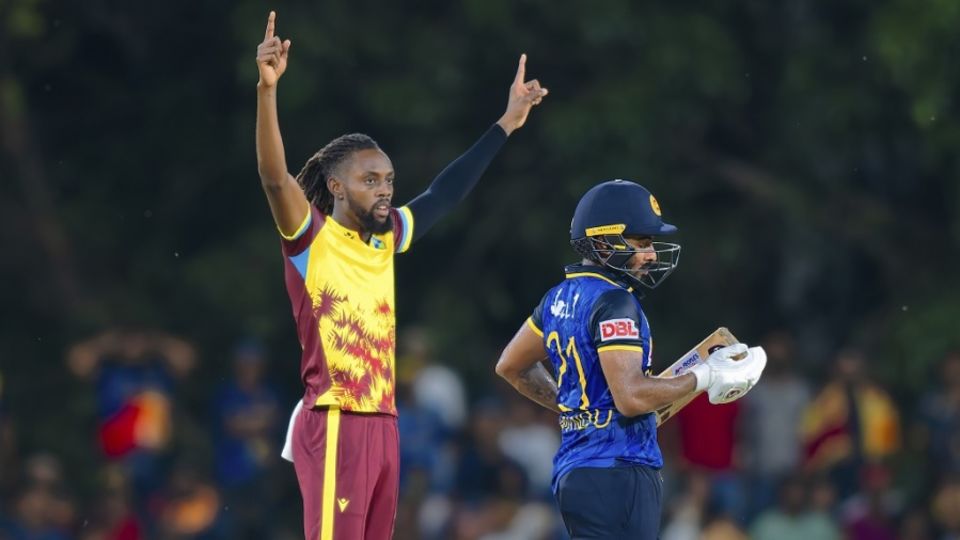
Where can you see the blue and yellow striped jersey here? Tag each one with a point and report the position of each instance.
(589, 312)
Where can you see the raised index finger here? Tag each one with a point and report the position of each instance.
(270, 19)
(521, 69)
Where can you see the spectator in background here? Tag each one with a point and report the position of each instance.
(938, 421)
(916, 525)
(248, 430)
(435, 386)
(851, 421)
(113, 519)
(688, 510)
(188, 507)
(693, 517)
(425, 440)
(483, 467)
(720, 424)
(823, 497)
(43, 509)
(872, 513)
(426, 464)
(34, 516)
(945, 507)
(493, 501)
(792, 519)
(722, 527)
(433, 408)
(530, 441)
(134, 373)
(486, 486)
(773, 411)
(45, 472)
(112, 516)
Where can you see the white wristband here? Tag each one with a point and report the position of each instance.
(702, 372)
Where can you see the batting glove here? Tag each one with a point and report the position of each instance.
(727, 379)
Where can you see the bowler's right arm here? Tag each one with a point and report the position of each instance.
(288, 204)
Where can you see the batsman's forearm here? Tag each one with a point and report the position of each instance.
(271, 160)
(656, 392)
(537, 385)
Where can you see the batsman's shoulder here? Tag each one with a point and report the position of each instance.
(618, 299)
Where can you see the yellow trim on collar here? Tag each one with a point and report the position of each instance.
(598, 276)
(593, 274)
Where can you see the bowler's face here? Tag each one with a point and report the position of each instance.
(369, 184)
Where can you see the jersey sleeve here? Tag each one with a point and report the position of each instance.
(535, 321)
(615, 322)
(455, 181)
(300, 240)
(402, 228)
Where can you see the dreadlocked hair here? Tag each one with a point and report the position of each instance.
(313, 177)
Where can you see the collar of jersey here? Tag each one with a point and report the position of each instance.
(596, 272)
(351, 234)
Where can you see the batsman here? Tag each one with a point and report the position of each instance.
(592, 328)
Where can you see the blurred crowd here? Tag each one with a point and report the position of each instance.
(801, 456)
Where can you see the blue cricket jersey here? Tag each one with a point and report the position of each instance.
(589, 312)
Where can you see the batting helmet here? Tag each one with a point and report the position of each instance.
(616, 209)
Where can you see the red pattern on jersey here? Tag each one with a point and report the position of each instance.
(354, 389)
(351, 336)
(326, 302)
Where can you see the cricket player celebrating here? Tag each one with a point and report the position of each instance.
(592, 327)
(340, 233)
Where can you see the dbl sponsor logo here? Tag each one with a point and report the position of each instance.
(618, 329)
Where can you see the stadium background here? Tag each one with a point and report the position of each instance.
(807, 150)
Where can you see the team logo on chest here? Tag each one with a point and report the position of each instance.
(618, 329)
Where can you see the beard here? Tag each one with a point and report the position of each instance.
(368, 221)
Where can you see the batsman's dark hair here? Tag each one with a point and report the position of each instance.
(313, 177)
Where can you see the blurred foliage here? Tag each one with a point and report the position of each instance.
(807, 150)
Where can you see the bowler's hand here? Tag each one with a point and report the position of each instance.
(523, 96)
(272, 55)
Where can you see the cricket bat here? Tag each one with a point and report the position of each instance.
(721, 337)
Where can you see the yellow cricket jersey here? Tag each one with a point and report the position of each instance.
(342, 293)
